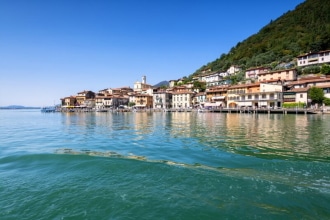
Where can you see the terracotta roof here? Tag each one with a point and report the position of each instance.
(272, 80)
(257, 68)
(182, 92)
(245, 85)
(310, 53)
(277, 71)
(298, 82)
(323, 86)
(140, 95)
(69, 97)
(85, 91)
(217, 89)
(208, 74)
(102, 97)
(299, 89)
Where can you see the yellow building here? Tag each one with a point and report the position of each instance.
(68, 101)
(143, 101)
(281, 75)
(83, 96)
(216, 96)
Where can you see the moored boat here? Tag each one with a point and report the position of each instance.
(48, 109)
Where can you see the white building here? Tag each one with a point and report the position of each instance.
(182, 99)
(314, 58)
(233, 70)
(139, 86)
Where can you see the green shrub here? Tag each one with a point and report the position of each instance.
(326, 101)
(311, 70)
(294, 105)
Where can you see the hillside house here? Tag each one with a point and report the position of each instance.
(253, 73)
(280, 75)
(313, 58)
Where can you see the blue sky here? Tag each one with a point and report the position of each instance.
(55, 48)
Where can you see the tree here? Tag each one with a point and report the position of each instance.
(316, 95)
(325, 69)
(326, 101)
(200, 85)
(131, 104)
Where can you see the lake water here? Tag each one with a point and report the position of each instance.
(180, 165)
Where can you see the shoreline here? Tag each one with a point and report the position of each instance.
(218, 110)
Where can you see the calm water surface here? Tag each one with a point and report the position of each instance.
(163, 166)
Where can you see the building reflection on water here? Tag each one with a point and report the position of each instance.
(249, 134)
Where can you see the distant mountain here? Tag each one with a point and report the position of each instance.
(305, 29)
(17, 107)
(162, 83)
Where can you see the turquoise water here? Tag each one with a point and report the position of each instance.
(163, 166)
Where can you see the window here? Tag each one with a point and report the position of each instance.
(301, 96)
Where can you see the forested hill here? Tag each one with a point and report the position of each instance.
(305, 29)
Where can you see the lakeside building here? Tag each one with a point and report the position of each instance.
(182, 97)
(255, 95)
(162, 99)
(68, 101)
(103, 102)
(110, 101)
(199, 100)
(234, 92)
(143, 100)
(296, 95)
(297, 91)
(83, 96)
(216, 97)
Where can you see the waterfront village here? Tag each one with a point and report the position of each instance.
(263, 89)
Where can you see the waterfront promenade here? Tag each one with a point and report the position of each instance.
(267, 111)
(215, 110)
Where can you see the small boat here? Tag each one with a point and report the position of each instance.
(48, 109)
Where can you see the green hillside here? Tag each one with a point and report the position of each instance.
(305, 29)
